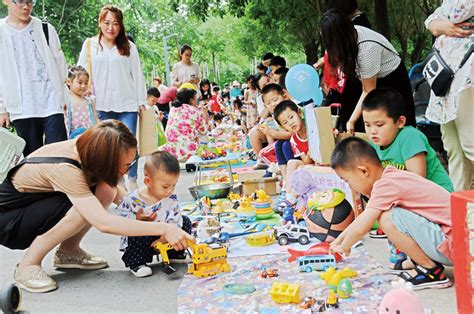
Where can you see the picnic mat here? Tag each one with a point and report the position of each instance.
(206, 295)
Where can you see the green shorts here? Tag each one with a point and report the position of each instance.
(426, 233)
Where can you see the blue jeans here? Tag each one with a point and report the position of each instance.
(283, 152)
(32, 130)
(130, 120)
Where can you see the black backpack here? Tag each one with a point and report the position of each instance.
(46, 31)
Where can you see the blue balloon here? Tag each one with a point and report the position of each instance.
(302, 82)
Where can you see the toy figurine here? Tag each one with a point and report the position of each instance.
(288, 214)
(262, 196)
(332, 301)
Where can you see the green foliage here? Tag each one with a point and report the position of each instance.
(228, 36)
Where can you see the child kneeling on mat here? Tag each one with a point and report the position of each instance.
(153, 202)
(412, 211)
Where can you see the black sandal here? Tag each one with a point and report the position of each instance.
(427, 278)
(398, 267)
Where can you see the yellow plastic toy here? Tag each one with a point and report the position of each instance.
(218, 208)
(262, 196)
(234, 197)
(332, 298)
(246, 205)
(283, 292)
(261, 239)
(206, 260)
(333, 277)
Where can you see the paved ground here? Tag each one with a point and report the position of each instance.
(116, 290)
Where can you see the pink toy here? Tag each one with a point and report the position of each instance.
(317, 249)
(401, 300)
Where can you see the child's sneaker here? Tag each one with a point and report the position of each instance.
(377, 234)
(141, 271)
(395, 254)
(427, 278)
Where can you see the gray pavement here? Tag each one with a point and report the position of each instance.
(115, 289)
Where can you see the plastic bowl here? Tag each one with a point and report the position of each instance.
(213, 191)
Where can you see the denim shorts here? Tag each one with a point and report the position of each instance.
(426, 233)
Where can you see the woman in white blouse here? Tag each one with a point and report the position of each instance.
(116, 73)
(453, 25)
(185, 71)
(361, 52)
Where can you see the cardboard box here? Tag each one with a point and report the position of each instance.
(320, 136)
(253, 181)
(462, 216)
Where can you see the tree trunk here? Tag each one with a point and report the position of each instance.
(418, 48)
(311, 52)
(381, 18)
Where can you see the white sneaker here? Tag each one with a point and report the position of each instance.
(141, 271)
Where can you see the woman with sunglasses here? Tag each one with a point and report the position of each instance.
(55, 195)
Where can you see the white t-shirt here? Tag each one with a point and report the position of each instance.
(38, 95)
(117, 80)
(374, 59)
(183, 72)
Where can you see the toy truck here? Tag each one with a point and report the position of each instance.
(283, 292)
(292, 232)
(206, 260)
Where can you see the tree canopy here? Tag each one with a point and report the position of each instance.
(230, 36)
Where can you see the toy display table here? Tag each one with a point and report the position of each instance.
(201, 163)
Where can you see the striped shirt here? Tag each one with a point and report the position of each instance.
(373, 58)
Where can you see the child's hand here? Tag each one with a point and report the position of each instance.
(177, 237)
(339, 248)
(144, 217)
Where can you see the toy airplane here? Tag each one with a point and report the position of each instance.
(317, 249)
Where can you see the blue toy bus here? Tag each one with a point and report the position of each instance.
(315, 262)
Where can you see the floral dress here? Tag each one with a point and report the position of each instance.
(186, 123)
(452, 49)
(252, 113)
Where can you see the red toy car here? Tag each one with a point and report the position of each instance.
(307, 303)
(269, 273)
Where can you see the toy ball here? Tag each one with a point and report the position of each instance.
(344, 288)
(401, 301)
(302, 82)
(329, 214)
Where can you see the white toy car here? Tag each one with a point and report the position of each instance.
(292, 232)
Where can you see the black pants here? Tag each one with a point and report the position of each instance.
(24, 216)
(399, 81)
(139, 250)
(32, 130)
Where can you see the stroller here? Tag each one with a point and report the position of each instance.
(421, 95)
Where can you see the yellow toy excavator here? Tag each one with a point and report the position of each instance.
(206, 260)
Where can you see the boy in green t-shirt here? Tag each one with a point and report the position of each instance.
(403, 147)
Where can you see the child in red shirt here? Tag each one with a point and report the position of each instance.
(290, 117)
